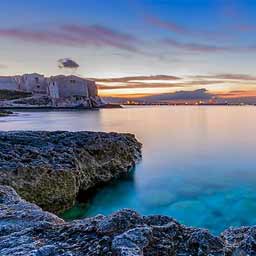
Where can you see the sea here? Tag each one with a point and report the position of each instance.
(198, 162)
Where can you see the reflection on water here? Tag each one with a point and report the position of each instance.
(198, 162)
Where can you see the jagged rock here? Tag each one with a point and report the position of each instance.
(244, 239)
(52, 168)
(16, 214)
(25, 229)
(132, 241)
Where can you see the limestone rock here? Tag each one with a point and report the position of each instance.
(52, 168)
(25, 229)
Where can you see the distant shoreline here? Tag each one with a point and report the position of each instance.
(165, 104)
(112, 106)
(60, 108)
(4, 113)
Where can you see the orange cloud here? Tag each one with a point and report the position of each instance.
(237, 94)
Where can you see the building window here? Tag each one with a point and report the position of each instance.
(37, 79)
(72, 81)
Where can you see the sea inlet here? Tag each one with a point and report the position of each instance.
(198, 164)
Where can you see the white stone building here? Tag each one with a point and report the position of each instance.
(34, 83)
(62, 91)
(68, 86)
(66, 90)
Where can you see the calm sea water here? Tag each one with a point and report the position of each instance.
(198, 165)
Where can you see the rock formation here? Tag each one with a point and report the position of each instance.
(52, 168)
(25, 229)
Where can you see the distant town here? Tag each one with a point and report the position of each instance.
(196, 103)
(141, 102)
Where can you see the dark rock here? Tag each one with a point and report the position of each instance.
(52, 168)
(5, 113)
(118, 223)
(25, 229)
(243, 238)
(132, 241)
(38, 101)
(12, 95)
(17, 214)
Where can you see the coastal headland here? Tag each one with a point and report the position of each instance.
(52, 169)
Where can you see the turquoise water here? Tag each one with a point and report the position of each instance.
(198, 164)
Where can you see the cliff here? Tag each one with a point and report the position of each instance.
(52, 169)
(25, 229)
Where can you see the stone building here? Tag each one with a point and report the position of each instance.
(34, 83)
(92, 88)
(71, 86)
(62, 91)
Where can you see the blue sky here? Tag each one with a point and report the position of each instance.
(115, 38)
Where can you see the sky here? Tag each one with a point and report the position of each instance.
(135, 47)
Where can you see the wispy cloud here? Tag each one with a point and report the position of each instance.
(139, 86)
(75, 35)
(225, 31)
(243, 77)
(208, 48)
(238, 94)
(183, 30)
(184, 89)
(101, 36)
(167, 25)
(196, 47)
(137, 78)
(158, 81)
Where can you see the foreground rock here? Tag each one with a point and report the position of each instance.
(27, 230)
(53, 168)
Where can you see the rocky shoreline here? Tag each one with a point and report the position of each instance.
(52, 169)
(25, 229)
(5, 113)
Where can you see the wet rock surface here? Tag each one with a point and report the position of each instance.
(25, 229)
(52, 168)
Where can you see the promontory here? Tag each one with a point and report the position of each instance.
(52, 169)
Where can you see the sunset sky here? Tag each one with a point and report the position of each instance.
(135, 47)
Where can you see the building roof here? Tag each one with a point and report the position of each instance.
(63, 77)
